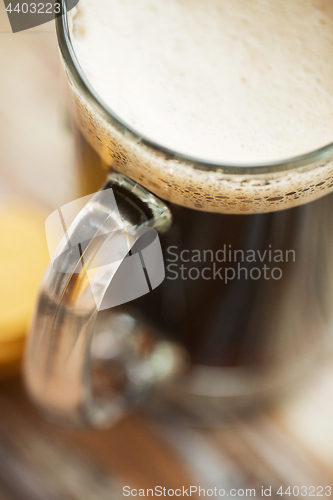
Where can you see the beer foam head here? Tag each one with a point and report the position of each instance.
(225, 81)
(220, 80)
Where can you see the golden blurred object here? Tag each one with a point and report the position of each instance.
(23, 259)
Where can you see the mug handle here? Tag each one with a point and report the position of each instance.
(59, 355)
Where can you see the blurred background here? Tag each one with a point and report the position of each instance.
(290, 444)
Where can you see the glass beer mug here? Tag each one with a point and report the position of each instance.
(245, 307)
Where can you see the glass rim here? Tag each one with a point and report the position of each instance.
(323, 154)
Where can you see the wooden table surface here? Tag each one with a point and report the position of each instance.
(39, 460)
